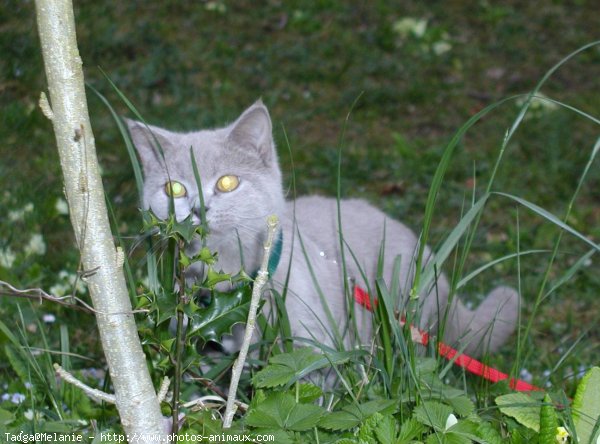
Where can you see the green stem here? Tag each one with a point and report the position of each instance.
(179, 343)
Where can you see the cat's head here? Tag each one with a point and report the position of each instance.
(238, 167)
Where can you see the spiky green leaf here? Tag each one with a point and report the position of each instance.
(224, 311)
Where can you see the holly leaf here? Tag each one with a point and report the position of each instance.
(224, 311)
(186, 228)
(206, 256)
(214, 277)
(165, 306)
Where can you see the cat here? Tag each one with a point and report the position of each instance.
(242, 185)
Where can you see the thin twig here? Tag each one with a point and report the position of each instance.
(94, 394)
(260, 281)
(40, 295)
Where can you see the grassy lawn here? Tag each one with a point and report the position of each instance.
(188, 65)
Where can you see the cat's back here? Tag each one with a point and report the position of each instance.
(364, 227)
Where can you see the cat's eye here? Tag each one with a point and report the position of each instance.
(175, 189)
(228, 183)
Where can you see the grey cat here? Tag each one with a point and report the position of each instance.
(242, 186)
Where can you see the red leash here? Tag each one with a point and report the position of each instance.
(470, 364)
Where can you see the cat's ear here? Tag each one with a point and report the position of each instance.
(148, 141)
(253, 131)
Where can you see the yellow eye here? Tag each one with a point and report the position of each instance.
(175, 189)
(228, 183)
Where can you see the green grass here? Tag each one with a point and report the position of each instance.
(310, 61)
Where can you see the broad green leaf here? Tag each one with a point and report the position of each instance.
(378, 429)
(340, 420)
(280, 411)
(6, 417)
(461, 405)
(433, 414)
(586, 406)
(522, 407)
(353, 414)
(282, 368)
(224, 311)
(309, 392)
(548, 422)
(447, 438)
(489, 434)
(287, 368)
(410, 430)
(272, 376)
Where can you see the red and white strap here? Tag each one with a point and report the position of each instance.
(470, 364)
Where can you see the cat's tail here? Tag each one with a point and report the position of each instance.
(485, 329)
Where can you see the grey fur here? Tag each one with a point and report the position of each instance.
(246, 149)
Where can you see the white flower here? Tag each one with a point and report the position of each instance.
(441, 47)
(451, 421)
(410, 25)
(59, 290)
(19, 215)
(66, 282)
(216, 6)
(61, 206)
(17, 398)
(562, 436)
(36, 245)
(7, 257)
(28, 414)
(49, 318)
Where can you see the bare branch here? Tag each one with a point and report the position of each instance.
(41, 295)
(94, 394)
(260, 281)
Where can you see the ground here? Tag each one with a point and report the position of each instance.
(411, 73)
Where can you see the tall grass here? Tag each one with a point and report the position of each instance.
(391, 367)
